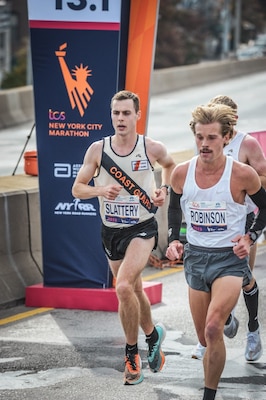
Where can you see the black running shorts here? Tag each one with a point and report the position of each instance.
(116, 240)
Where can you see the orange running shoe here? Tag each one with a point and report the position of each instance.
(133, 372)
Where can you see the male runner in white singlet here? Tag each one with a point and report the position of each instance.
(211, 190)
(122, 168)
(244, 148)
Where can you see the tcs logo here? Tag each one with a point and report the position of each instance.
(57, 115)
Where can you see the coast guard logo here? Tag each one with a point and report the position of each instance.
(139, 165)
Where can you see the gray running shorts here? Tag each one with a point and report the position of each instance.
(203, 265)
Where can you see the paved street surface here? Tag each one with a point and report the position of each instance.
(78, 355)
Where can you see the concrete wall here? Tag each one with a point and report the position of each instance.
(171, 79)
(16, 106)
(20, 244)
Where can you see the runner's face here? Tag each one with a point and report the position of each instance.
(124, 116)
(209, 141)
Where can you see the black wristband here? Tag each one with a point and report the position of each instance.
(259, 222)
(174, 217)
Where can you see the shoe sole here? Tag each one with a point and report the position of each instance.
(255, 358)
(129, 382)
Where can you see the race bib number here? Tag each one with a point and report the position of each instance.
(122, 210)
(208, 216)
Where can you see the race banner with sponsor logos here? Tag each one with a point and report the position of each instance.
(79, 57)
(75, 55)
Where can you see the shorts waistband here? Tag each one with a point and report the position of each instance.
(210, 250)
(139, 225)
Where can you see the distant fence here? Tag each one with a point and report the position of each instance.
(17, 105)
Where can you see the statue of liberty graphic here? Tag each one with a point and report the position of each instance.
(78, 89)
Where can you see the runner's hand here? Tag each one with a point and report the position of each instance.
(159, 198)
(110, 192)
(241, 246)
(175, 250)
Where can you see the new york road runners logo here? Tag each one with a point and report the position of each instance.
(78, 89)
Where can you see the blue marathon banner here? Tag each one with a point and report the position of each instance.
(77, 48)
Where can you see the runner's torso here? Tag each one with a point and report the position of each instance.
(213, 218)
(134, 172)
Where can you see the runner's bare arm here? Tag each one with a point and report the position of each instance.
(81, 188)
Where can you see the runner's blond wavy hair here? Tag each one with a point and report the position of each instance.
(209, 114)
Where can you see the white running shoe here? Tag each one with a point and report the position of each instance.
(198, 352)
(254, 348)
(231, 329)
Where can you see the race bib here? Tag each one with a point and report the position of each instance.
(208, 216)
(122, 210)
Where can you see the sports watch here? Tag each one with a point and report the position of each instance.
(253, 236)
